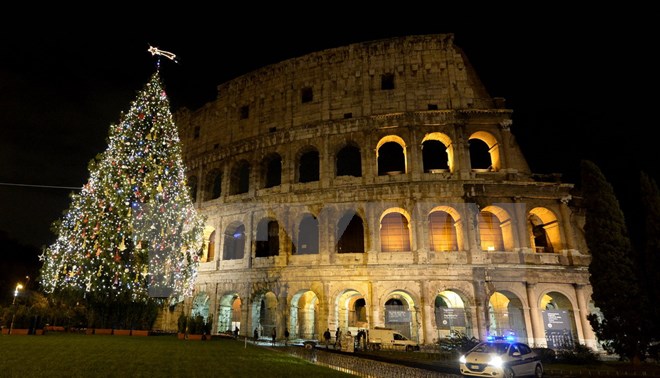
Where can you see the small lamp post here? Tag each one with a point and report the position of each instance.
(13, 303)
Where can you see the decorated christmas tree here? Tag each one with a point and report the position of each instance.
(132, 231)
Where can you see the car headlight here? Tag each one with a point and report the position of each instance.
(462, 359)
(495, 361)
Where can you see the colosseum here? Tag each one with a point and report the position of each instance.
(379, 185)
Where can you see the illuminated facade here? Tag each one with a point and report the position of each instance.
(378, 184)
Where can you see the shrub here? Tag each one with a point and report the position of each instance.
(580, 354)
(182, 323)
(547, 355)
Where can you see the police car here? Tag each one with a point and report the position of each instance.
(501, 357)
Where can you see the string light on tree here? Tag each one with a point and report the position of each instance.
(133, 227)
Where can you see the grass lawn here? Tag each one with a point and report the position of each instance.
(72, 355)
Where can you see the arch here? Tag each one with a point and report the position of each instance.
(506, 316)
(240, 177)
(308, 165)
(450, 314)
(350, 312)
(303, 315)
(391, 155)
(495, 229)
(308, 236)
(445, 229)
(209, 239)
(485, 155)
(350, 233)
(229, 313)
(395, 230)
(437, 152)
(271, 167)
(268, 238)
(543, 229)
(210, 250)
(213, 185)
(200, 306)
(234, 245)
(401, 314)
(264, 313)
(559, 320)
(349, 161)
(192, 186)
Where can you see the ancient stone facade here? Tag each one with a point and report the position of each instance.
(378, 184)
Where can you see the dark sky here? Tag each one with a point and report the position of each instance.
(579, 87)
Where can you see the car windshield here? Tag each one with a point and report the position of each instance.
(497, 348)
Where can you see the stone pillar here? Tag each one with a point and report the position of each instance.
(520, 214)
(538, 332)
(481, 305)
(471, 226)
(505, 157)
(582, 312)
(567, 226)
(427, 310)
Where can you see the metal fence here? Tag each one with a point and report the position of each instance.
(363, 367)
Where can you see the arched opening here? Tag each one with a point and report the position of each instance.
(200, 306)
(240, 178)
(229, 313)
(434, 156)
(192, 186)
(308, 236)
(213, 184)
(400, 314)
(559, 321)
(490, 232)
(543, 230)
(391, 158)
(351, 311)
(308, 166)
(450, 315)
(234, 246)
(210, 255)
(394, 232)
(302, 321)
(349, 161)
(484, 152)
(350, 233)
(272, 166)
(444, 229)
(505, 311)
(268, 238)
(267, 314)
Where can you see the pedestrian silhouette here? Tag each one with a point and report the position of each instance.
(256, 335)
(326, 337)
(286, 336)
(274, 335)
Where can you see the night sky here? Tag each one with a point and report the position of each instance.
(579, 88)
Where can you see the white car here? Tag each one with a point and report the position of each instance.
(501, 359)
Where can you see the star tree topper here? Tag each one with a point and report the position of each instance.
(169, 55)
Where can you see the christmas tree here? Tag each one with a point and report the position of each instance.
(132, 231)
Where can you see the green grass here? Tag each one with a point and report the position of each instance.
(71, 355)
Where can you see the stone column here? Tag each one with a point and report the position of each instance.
(505, 158)
(565, 220)
(520, 214)
(426, 303)
(538, 332)
(582, 312)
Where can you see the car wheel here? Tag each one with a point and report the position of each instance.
(538, 372)
(508, 373)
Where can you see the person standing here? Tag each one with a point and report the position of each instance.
(256, 334)
(326, 337)
(236, 333)
(338, 338)
(274, 335)
(286, 337)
